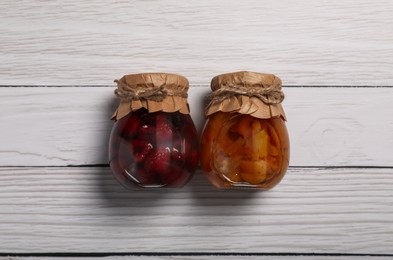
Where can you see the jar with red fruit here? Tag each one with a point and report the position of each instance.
(154, 142)
(245, 143)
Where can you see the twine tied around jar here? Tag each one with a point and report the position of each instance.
(245, 92)
(270, 95)
(153, 91)
(157, 93)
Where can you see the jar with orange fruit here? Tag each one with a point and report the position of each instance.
(245, 143)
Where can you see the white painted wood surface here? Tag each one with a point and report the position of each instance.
(91, 42)
(82, 209)
(71, 126)
(203, 257)
(313, 210)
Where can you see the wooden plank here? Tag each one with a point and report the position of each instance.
(207, 257)
(70, 125)
(304, 42)
(72, 209)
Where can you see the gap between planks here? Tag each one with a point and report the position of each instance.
(191, 256)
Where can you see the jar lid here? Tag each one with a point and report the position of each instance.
(153, 91)
(246, 79)
(155, 80)
(245, 92)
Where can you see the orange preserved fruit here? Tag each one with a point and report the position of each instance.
(253, 172)
(239, 150)
(210, 136)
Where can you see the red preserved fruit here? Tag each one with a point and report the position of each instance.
(174, 176)
(177, 155)
(142, 148)
(130, 127)
(121, 154)
(158, 161)
(154, 149)
(143, 178)
(192, 148)
(164, 129)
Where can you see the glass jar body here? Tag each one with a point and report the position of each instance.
(153, 150)
(239, 150)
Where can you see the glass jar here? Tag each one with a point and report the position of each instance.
(245, 142)
(153, 141)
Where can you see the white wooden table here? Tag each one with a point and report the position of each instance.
(58, 60)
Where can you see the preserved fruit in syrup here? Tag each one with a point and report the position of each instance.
(245, 142)
(153, 142)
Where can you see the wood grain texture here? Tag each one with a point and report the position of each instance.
(313, 210)
(82, 209)
(304, 42)
(207, 257)
(71, 126)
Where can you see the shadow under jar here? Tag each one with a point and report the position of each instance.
(153, 143)
(245, 143)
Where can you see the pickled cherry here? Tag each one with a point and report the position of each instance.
(156, 149)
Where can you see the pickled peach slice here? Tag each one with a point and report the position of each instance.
(256, 147)
(260, 143)
(275, 160)
(213, 126)
(272, 162)
(273, 150)
(275, 140)
(235, 147)
(255, 127)
(223, 138)
(244, 126)
(228, 141)
(209, 137)
(253, 172)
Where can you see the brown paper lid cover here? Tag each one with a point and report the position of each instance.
(154, 91)
(256, 94)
